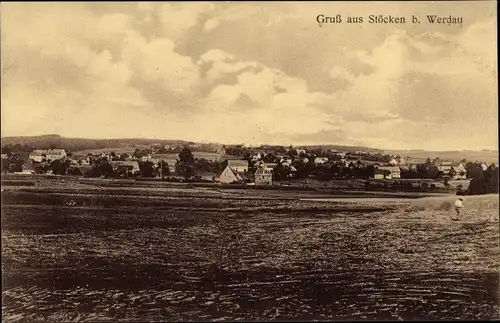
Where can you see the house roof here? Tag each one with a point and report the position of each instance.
(38, 152)
(237, 162)
(460, 168)
(56, 151)
(239, 176)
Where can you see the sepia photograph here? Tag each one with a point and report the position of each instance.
(249, 161)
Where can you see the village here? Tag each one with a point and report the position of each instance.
(239, 164)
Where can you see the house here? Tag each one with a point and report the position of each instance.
(393, 162)
(256, 156)
(390, 172)
(320, 160)
(379, 174)
(339, 154)
(171, 164)
(263, 176)
(445, 171)
(129, 167)
(459, 170)
(229, 175)
(484, 166)
(4, 156)
(146, 158)
(452, 171)
(155, 161)
(55, 154)
(300, 151)
(238, 165)
(38, 155)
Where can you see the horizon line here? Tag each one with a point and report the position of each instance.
(250, 145)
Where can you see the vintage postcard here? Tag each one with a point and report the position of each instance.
(255, 161)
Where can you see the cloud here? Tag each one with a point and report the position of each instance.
(238, 73)
(176, 18)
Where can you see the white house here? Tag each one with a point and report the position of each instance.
(263, 176)
(452, 171)
(389, 172)
(459, 171)
(300, 151)
(393, 162)
(229, 176)
(171, 164)
(238, 165)
(38, 155)
(55, 154)
(132, 167)
(256, 156)
(320, 160)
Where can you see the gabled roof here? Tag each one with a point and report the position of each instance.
(460, 168)
(237, 175)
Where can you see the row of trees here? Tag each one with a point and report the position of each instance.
(485, 182)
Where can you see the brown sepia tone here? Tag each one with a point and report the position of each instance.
(249, 161)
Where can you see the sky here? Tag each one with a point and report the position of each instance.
(252, 73)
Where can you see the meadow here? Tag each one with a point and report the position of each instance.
(180, 254)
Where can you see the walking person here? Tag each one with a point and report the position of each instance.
(458, 206)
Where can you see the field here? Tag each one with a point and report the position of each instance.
(179, 254)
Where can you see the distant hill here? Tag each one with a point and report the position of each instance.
(74, 144)
(487, 156)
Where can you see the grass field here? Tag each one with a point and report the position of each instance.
(168, 255)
